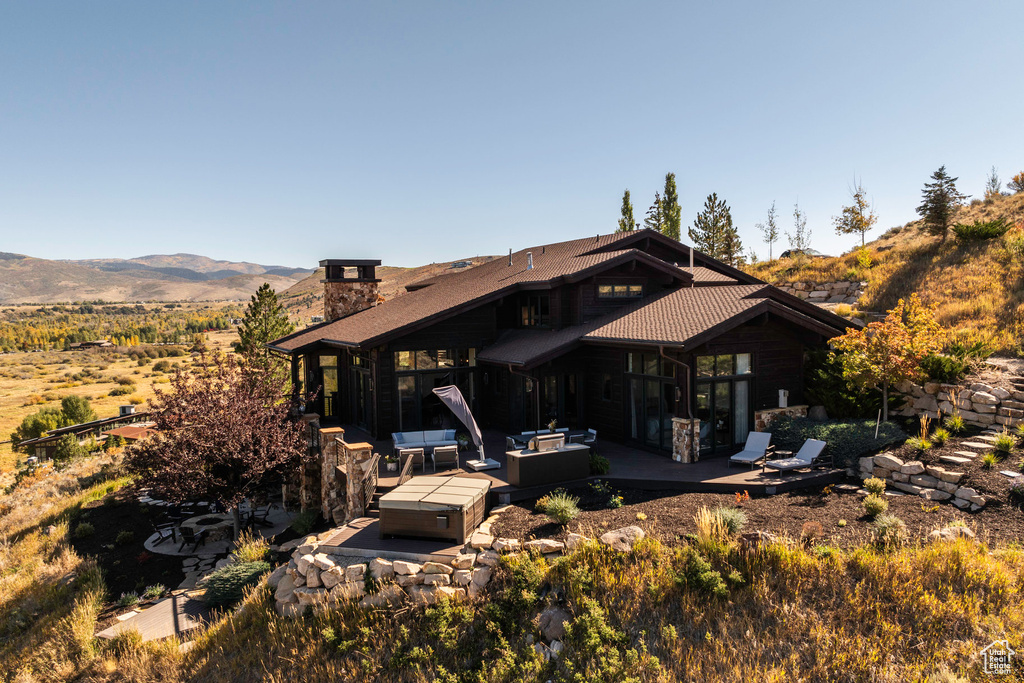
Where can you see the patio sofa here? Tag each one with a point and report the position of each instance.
(428, 440)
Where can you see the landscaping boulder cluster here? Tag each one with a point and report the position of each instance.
(928, 481)
(843, 292)
(978, 404)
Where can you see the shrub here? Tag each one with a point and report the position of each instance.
(697, 574)
(875, 505)
(128, 600)
(560, 507)
(124, 381)
(124, 537)
(1004, 443)
(615, 501)
(847, 440)
(988, 460)
(919, 444)
(599, 465)
(981, 230)
(305, 521)
(875, 486)
(944, 675)
(1019, 431)
(226, 585)
(719, 523)
(955, 424)
(84, 530)
(154, 591)
(939, 368)
(161, 366)
(1016, 494)
(940, 436)
(826, 386)
(889, 531)
(250, 547)
(122, 391)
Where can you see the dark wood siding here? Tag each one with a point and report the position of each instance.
(473, 329)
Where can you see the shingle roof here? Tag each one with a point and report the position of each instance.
(551, 263)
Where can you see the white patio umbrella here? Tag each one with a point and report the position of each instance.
(452, 397)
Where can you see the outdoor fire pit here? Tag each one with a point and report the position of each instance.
(219, 527)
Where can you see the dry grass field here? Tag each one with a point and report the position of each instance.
(33, 380)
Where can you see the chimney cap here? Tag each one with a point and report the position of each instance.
(349, 262)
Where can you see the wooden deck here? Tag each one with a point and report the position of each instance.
(630, 468)
(173, 616)
(361, 538)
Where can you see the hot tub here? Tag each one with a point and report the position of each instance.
(434, 507)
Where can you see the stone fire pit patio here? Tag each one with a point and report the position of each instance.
(218, 526)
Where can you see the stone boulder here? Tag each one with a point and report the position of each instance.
(355, 572)
(545, 545)
(552, 621)
(388, 596)
(913, 467)
(950, 533)
(622, 539)
(275, 576)
(406, 568)
(573, 541)
(436, 568)
(332, 577)
(889, 462)
(505, 545)
(381, 568)
(464, 560)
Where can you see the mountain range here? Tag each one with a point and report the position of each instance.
(157, 277)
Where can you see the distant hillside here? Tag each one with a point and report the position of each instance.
(177, 277)
(976, 286)
(305, 299)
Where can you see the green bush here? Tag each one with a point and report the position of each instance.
(128, 600)
(154, 591)
(988, 460)
(847, 440)
(124, 537)
(940, 436)
(698, 575)
(825, 385)
(889, 531)
(981, 230)
(955, 424)
(940, 368)
(305, 521)
(919, 444)
(226, 585)
(875, 505)
(733, 519)
(599, 465)
(559, 506)
(1004, 443)
(875, 486)
(161, 366)
(84, 530)
(122, 390)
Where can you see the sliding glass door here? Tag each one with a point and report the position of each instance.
(722, 401)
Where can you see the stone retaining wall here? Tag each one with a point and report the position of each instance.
(978, 404)
(841, 292)
(928, 481)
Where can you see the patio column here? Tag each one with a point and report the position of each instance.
(330, 459)
(685, 439)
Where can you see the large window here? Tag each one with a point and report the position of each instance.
(649, 364)
(722, 400)
(652, 388)
(535, 310)
(620, 291)
(724, 365)
(410, 361)
(419, 372)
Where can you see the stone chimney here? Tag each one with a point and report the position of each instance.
(343, 295)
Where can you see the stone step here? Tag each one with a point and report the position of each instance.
(976, 444)
(954, 460)
(965, 454)
(987, 438)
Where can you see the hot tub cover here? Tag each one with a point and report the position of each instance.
(436, 494)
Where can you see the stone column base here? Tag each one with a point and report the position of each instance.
(685, 439)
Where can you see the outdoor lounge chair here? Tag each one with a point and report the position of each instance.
(446, 455)
(190, 536)
(807, 456)
(417, 458)
(755, 450)
(165, 531)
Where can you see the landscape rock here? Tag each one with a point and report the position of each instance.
(423, 595)
(545, 545)
(388, 596)
(488, 558)
(462, 577)
(556, 648)
(406, 580)
(552, 621)
(950, 533)
(622, 539)
(1000, 393)
(464, 560)
(322, 561)
(966, 493)
(309, 596)
(332, 577)
(899, 476)
(924, 480)
(290, 609)
(935, 495)
(436, 579)
(303, 563)
(481, 541)
(573, 541)
(406, 568)
(381, 568)
(481, 575)
(451, 593)
(285, 591)
(912, 467)
(505, 545)
(355, 572)
(275, 576)
(889, 462)
(348, 591)
(313, 578)
(984, 398)
(436, 568)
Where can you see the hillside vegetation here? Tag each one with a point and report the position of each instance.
(975, 285)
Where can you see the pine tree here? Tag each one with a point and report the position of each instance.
(672, 216)
(857, 217)
(655, 218)
(769, 230)
(626, 222)
(993, 187)
(940, 201)
(800, 238)
(714, 233)
(264, 321)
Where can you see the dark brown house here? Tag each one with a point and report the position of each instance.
(631, 334)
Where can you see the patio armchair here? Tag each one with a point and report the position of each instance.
(755, 450)
(446, 455)
(809, 455)
(164, 531)
(417, 458)
(510, 444)
(590, 439)
(576, 438)
(190, 536)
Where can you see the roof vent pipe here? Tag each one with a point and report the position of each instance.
(529, 260)
(510, 257)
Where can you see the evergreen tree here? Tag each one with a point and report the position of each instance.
(67, 450)
(800, 238)
(672, 216)
(857, 217)
(75, 410)
(264, 321)
(993, 187)
(769, 230)
(626, 222)
(655, 218)
(714, 233)
(940, 201)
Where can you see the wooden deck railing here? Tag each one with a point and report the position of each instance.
(370, 480)
(406, 474)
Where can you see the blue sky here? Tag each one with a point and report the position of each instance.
(422, 131)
